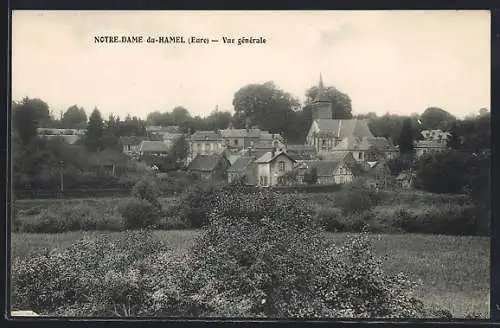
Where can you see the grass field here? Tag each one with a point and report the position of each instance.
(454, 271)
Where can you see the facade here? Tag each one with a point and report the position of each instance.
(339, 169)
(131, 145)
(210, 167)
(68, 135)
(436, 135)
(205, 143)
(152, 148)
(237, 139)
(428, 146)
(271, 166)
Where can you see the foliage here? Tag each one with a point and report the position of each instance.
(472, 134)
(341, 102)
(95, 132)
(434, 118)
(443, 172)
(28, 115)
(401, 163)
(140, 214)
(196, 203)
(311, 176)
(257, 260)
(74, 118)
(355, 197)
(68, 218)
(146, 189)
(406, 138)
(289, 178)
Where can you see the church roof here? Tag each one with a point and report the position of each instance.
(345, 128)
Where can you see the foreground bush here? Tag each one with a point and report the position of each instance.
(139, 214)
(356, 197)
(266, 256)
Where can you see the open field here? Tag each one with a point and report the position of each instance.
(454, 271)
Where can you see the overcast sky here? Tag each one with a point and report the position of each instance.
(387, 61)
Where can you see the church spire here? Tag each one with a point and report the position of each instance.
(320, 85)
(322, 95)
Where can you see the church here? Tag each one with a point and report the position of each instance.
(329, 136)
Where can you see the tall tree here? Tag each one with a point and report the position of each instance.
(436, 118)
(95, 132)
(74, 117)
(180, 115)
(406, 137)
(341, 102)
(218, 120)
(266, 106)
(28, 115)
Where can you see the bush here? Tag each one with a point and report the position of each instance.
(146, 189)
(355, 197)
(140, 214)
(196, 204)
(172, 223)
(69, 217)
(94, 277)
(266, 256)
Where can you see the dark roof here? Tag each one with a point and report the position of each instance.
(153, 146)
(429, 144)
(242, 164)
(345, 128)
(268, 157)
(324, 168)
(241, 133)
(206, 135)
(206, 163)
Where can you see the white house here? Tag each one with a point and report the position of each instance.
(271, 166)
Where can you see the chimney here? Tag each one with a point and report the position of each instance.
(273, 152)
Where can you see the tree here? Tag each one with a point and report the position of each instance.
(266, 106)
(74, 117)
(111, 134)
(311, 176)
(436, 118)
(95, 132)
(218, 120)
(28, 115)
(341, 102)
(472, 135)
(180, 116)
(406, 137)
(179, 150)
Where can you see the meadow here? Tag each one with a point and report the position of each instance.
(453, 271)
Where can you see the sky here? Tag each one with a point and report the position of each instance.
(399, 62)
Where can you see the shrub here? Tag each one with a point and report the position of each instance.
(139, 214)
(146, 189)
(265, 256)
(94, 277)
(196, 203)
(355, 197)
(172, 223)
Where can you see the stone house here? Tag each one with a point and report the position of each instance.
(428, 146)
(271, 166)
(210, 167)
(131, 145)
(152, 148)
(205, 143)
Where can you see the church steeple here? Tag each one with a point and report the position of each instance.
(322, 95)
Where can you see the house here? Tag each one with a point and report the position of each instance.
(213, 167)
(271, 166)
(436, 135)
(243, 167)
(131, 145)
(167, 134)
(428, 146)
(405, 179)
(339, 169)
(107, 162)
(238, 139)
(152, 148)
(205, 143)
(378, 174)
(70, 136)
(327, 135)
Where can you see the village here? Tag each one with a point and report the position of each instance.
(336, 150)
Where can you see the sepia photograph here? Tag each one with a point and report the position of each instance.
(250, 164)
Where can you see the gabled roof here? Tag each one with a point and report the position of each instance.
(378, 143)
(232, 158)
(206, 135)
(153, 146)
(345, 128)
(268, 157)
(242, 163)
(206, 163)
(324, 168)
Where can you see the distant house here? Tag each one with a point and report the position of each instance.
(70, 136)
(428, 146)
(213, 167)
(436, 135)
(131, 145)
(238, 139)
(336, 170)
(378, 174)
(205, 143)
(243, 167)
(271, 166)
(152, 148)
(107, 162)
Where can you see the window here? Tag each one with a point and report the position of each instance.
(275, 144)
(207, 146)
(128, 147)
(265, 180)
(236, 142)
(360, 155)
(281, 166)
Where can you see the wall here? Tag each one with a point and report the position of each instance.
(275, 172)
